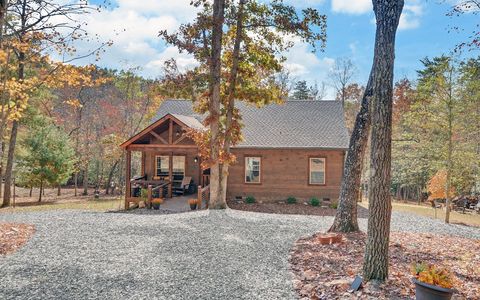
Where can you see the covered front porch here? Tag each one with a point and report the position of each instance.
(169, 162)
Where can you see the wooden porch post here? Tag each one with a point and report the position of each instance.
(199, 197)
(128, 192)
(170, 175)
(170, 161)
(143, 164)
(149, 196)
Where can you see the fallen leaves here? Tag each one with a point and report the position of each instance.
(13, 236)
(327, 271)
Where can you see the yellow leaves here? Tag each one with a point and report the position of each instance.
(18, 92)
(3, 56)
(75, 103)
(68, 75)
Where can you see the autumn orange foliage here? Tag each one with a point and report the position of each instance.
(432, 275)
(436, 187)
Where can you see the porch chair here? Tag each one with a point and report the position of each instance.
(184, 186)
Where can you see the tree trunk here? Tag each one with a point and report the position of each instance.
(216, 194)
(110, 177)
(75, 182)
(41, 191)
(31, 191)
(231, 95)
(346, 216)
(2, 148)
(3, 125)
(375, 266)
(3, 15)
(449, 158)
(8, 171)
(59, 190)
(85, 181)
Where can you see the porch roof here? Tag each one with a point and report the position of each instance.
(185, 121)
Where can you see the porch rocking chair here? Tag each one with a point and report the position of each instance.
(184, 187)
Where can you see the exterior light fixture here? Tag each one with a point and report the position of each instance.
(195, 160)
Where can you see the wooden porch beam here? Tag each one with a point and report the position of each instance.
(157, 136)
(158, 146)
(180, 139)
(170, 132)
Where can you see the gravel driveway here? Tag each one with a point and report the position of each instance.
(202, 255)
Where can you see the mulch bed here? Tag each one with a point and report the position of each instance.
(290, 209)
(327, 271)
(13, 236)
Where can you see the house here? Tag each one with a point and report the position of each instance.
(294, 149)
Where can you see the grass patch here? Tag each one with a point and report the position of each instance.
(91, 204)
(426, 211)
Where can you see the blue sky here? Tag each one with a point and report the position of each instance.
(133, 26)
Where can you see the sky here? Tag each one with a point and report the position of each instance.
(424, 31)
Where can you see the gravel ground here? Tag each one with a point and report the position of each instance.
(197, 255)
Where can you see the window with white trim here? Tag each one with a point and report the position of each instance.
(317, 170)
(252, 169)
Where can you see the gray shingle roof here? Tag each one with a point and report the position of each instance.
(190, 121)
(295, 124)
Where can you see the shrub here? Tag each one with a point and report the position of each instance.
(334, 205)
(432, 275)
(291, 200)
(250, 199)
(314, 201)
(144, 193)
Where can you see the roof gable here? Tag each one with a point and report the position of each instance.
(184, 121)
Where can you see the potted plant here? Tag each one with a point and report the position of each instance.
(432, 283)
(193, 204)
(156, 203)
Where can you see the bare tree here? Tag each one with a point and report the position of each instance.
(342, 74)
(318, 92)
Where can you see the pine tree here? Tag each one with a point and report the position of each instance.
(47, 158)
(301, 91)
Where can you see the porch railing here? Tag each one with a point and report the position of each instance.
(152, 186)
(205, 180)
(203, 195)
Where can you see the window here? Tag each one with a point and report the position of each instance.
(252, 169)
(317, 170)
(162, 165)
(178, 167)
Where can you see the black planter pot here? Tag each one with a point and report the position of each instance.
(156, 206)
(425, 291)
(193, 206)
